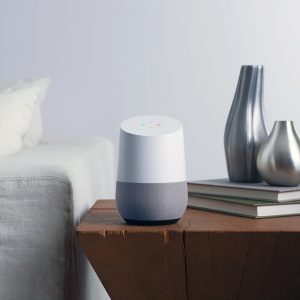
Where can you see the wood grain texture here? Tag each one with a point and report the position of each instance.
(229, 257)
(134, 262)
(204, 256)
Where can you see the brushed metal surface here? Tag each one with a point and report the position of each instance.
(246, 128)
(278, 160)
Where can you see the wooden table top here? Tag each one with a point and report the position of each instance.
(104, 215)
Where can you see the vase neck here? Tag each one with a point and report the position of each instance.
(283, 127)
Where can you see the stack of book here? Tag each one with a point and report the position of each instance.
(255, 200)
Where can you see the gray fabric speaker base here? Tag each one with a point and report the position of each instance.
(151, 202)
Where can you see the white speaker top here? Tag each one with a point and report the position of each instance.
(151, 150)
(151, 125)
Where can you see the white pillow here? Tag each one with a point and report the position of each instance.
(35, 131)
(17, 106)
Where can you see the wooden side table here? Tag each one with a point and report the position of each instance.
(204, 256)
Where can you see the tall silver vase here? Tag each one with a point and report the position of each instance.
(246, 127)
(278, 159)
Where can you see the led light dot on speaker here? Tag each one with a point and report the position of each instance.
(151, 181)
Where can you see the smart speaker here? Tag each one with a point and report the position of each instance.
(151, 182)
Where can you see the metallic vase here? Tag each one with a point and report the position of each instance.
(278, 160)
(246, 128)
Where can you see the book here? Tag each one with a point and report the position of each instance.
(244, 207)
(262, 191)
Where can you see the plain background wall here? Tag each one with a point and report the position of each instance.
(113, 59)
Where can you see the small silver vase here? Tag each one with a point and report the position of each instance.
(278, 159)
(246, 127)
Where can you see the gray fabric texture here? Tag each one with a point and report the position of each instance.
(151, 201)
(44, 191)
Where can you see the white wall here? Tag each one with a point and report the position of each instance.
(112, 59)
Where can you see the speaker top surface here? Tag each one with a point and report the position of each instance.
(151, 125)
(151, 150)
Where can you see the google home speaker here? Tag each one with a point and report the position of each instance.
(151, 182)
